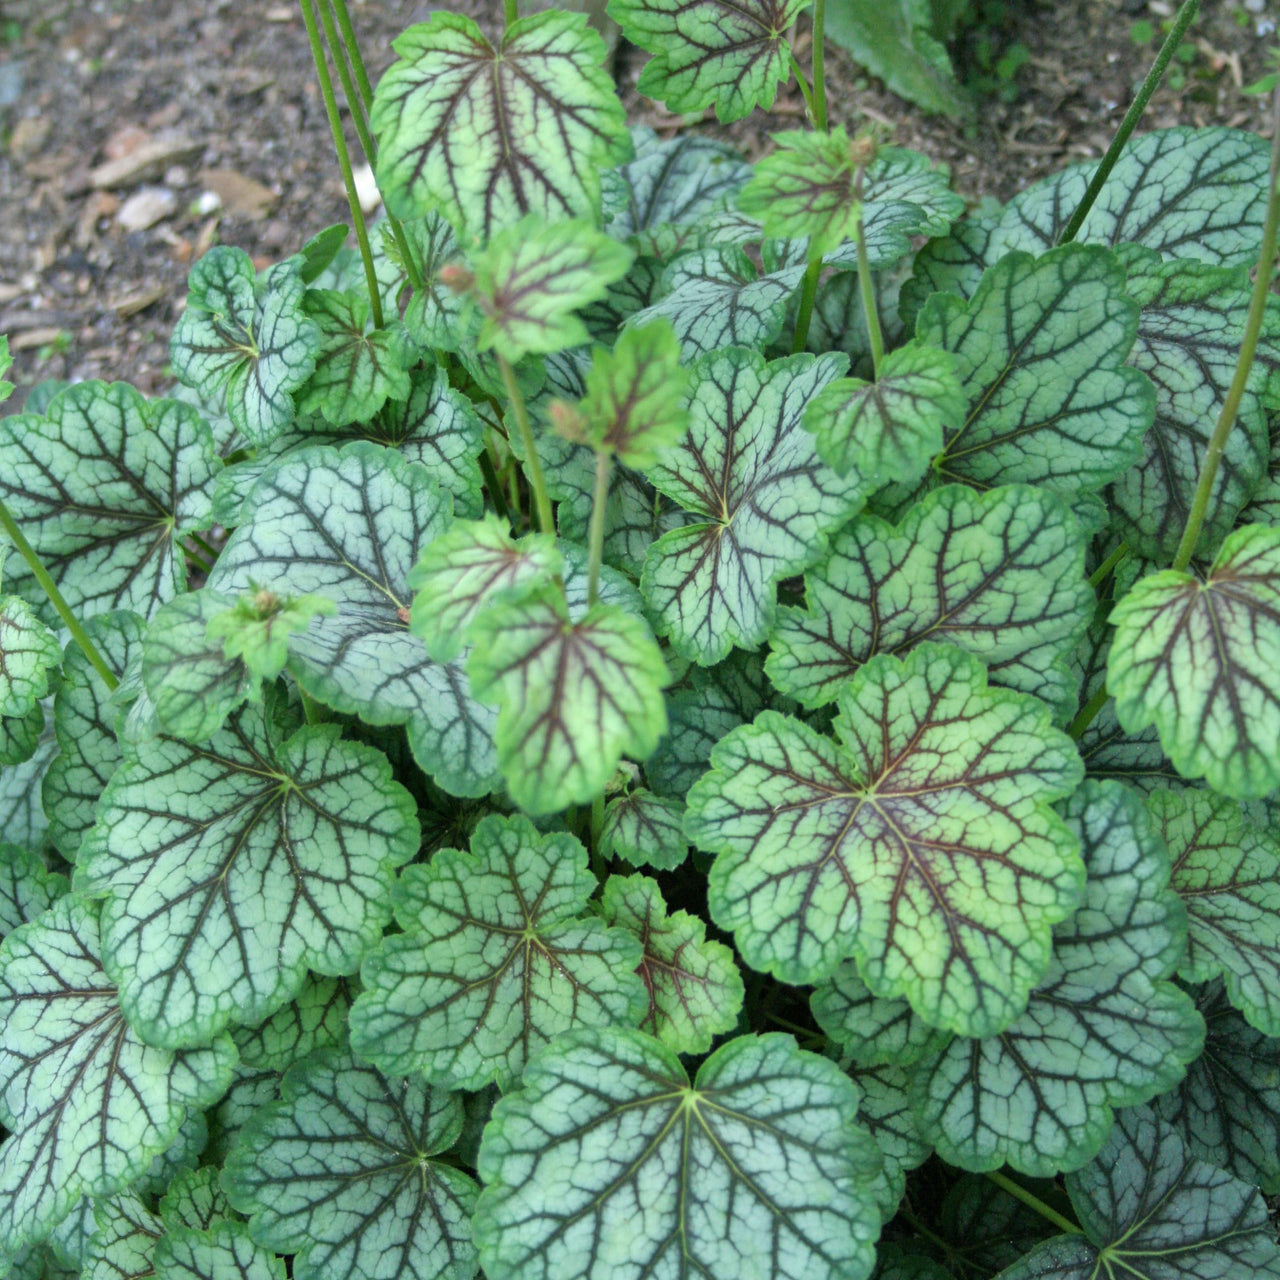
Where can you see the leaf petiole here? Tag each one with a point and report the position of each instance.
(532, 463)
(1131, 117)
(599, 506)
(816, 100)
(1103, 571)
(1244, 363)
(1088, 714)
(1019, 1192)
(47, 584)
(866, 286)
(344, 158)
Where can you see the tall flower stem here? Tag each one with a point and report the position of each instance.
(1244, 362)
(344, 158)
(866, 286)
(353, 51)
(816, 100)
(510, 12)
(595, 536)
(1186, 15)
(50, 588)
(532, 463)
(346, 56)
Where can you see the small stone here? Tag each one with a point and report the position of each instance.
(205, 203)
(148, 161)
(29, 136)
(176, 176)
(124, 142)
(240, 194)
(145, 208)
(367, 189)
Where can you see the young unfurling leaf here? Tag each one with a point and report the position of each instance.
(1201, 661)
(257, 628)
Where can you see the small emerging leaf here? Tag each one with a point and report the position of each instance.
(644, 830)
(256, 629)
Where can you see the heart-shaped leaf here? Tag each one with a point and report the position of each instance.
(1151, 1211)
(695, 990)
(891, 428)
(1105, 1029)
(1200, 660)
(533, 277)
(340, 1173)
(575, 695)
(748, 471)
(498, 957)
(755, 1169)
(231, 869)
(1000, 574)
(104, 488)
(349, 525)
(244, 347)
(645, 830)
(708, 53)
(88, 1104)
(1040, 351)
(1228, 874)
(489, 134)
(921, 843)
(1228, 1107)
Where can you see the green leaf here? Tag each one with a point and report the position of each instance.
(672, 184)
(806, 189)
(645, 830)
(987, 1229)
(952, 263)
(1150, 1211)
(634, 404)
(463, 571)
(6, 362)
(193, 686)
(1103, 1030)
(532, 277)
(1040, 351)
(318, 253)
(894, 42)
(574, 695)
(84, 720)
(1186, 193)
(891, 428)
(711, 52)
(437, 426)
(1189, 333)
(1200, 659)
(488, 134)
(339, 1173)
(1228, 1107)
(357, 369)
(872, 1030)
(315, 1019)
(28, 652)
(349, 525)
(1001, 574)
(125, 1238)
(749, 473)
(695, 989)
(231, 869)
(608, 1162)
(257, 628)
(20, 736)
(224, 1252)
(27, 888)
(104, 489)
(22, 815)
(247, 352)
(921, 844)
(1228, 874)
(716, 297)
(195, 1200)
(88, 1103)
(883, 1108)
(498, 957)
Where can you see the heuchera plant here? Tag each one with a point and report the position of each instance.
(663, 718)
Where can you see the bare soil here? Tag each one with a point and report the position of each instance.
(229, 86)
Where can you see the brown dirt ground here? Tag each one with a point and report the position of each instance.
(80, 297)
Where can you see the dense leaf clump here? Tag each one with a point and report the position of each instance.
(669, 718)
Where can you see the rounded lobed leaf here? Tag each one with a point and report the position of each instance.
(231, 869)
(104, 488)
(608, 1164)
(1103, 1030)
(340, 1173)
(920, 843)
(497, 958)
(645, 830)
(28, 652)
(349, 525)
(27, 888)
(1200, 659)
(489, 134)
(1001, 574)
(223, 1252)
